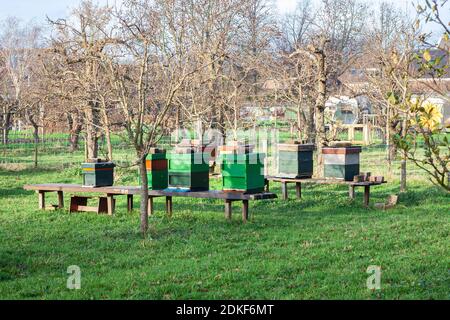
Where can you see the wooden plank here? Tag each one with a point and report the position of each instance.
(323, 181)
(245, 211)
(211, 194)
(41, 195)
(298, 189)
(366, 196)
(228, 209)
(130, 202)
(102, 206)
(351, 192)
(169, 206)
(86, 209)
(110, 201)
(284, 190)
(54, 187)
(76, 202)
(52, 207)
(60, 199)
(150, 206)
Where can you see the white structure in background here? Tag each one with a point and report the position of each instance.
(352, 115)
(347, 110)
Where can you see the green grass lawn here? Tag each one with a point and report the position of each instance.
(316, 248)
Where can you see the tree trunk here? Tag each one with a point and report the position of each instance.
(320, 102)
(177, 123)
(311, 128)
(75, 127)
(92, 124)
(144, 195)
(109, 144)
(106, 126)
(392, 148)
(320, 139)
(403, 176)
(107, 135)
(404, 157)
(301, 120)
(6, 127)
(36, 142)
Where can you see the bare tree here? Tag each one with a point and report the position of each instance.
(17, 47)
(79, 42)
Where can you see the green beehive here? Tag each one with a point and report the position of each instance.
(98, 174)
(189, 171)
(295, 160)
(157, 171)
(243, 172)
(341, 162)
(157, 180)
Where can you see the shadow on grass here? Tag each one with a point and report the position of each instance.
(4, 172)
(14, 192)
(417, 197)
(12, 265)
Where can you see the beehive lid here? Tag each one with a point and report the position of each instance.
(341, 150)
(99, 165)
(157, 151)
(295, 147)
(340, 144)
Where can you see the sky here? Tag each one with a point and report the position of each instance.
(38, 9)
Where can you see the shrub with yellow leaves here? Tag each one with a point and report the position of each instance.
(425, 132)
(429, 117)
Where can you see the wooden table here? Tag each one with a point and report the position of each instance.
(298, 186)
(228, 197)
(109, 192)
(169, 194)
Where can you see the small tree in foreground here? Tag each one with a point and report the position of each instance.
(427, 134)
(427, 129)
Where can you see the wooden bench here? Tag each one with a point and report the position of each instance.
(80, 203)
(228, 197)
(298, 186)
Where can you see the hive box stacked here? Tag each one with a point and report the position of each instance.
(295, 160)
(242, 170)
(157, 169)
(98, 174)
(341, 162)
(188, 168)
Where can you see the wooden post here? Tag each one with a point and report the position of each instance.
(351, 133)
(366, 134)
(60, 200)
(150, 206)
(110, 202)
(228, 206)
(403, 175)
(366, 195)
(41, 196)
(244, 211)
(169, 206)
(298, 189)
(284, 190)
(351, 192)
(130, 202)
